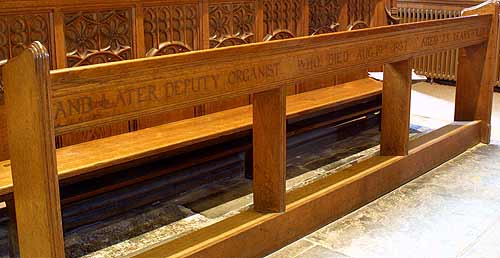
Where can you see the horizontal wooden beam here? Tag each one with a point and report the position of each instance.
(252, 234)
(106, 93)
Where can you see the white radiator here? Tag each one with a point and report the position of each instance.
(437, 66)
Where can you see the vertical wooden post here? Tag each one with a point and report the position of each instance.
(305, 18)
(205, 24)
(140, 48)
(396, 97)
(477, 73)
(269, 150)
(259, 21)
(32, 154)
(60, 47)
(378, 17)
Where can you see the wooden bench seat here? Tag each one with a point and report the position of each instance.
(82, 158)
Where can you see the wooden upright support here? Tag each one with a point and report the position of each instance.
(477, 74)
(269, 150)
(32, 154)
(396, 109)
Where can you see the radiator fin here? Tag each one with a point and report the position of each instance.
(437, 66)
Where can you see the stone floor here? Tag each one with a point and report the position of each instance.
(452, 211)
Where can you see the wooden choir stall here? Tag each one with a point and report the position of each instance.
(107, 117)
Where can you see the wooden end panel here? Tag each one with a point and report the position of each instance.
(477, 73)
(33, 155)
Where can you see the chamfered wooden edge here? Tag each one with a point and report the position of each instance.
(33, 156)
(251, 234)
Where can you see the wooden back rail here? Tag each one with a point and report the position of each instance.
(131, 29)
(42, 103)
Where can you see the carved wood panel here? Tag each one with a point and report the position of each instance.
(19, 31)
(171, 23)
(104, 32)
(94, 37)
(16, 32)
(283, 15)
(170, 29)
(323, 16)
(232, 23)
(360, 10)
(98, 37)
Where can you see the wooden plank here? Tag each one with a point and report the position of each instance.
(82, 158)
(34, 169)
(396, 93)
(89, 96)
(252, 234)
(269, 150)
(477, 74)
(138, 14)
(59, 37)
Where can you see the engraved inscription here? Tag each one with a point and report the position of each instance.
(435, 40)
(158, 89)
(74, 107)
(381, 49)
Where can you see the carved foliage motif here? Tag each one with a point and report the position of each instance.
(324, 16)
(19, 31)
(168, 48)
(231, 24)
(279, 35)
(173, 23)
(98, 37)
(282, 15)
(360, 10)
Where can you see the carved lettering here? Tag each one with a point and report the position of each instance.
(261, 72)
(211, 81)
(310, 63)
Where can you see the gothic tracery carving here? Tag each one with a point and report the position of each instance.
(168, 48)
(324, 16)
(98, 37)
(17, 31)
(231, 24)
(360, 10)
(172, 23)
(282, 15)
(279, 34)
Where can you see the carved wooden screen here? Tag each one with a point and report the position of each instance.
(171, 23)
(232, 23)
(324, 16)
(283, 15)
(94, 31)
(360, 10)
(170, 29)
(98, 37)
(19, 30)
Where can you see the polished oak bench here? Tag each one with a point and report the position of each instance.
(89, 157)
(42, 104)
